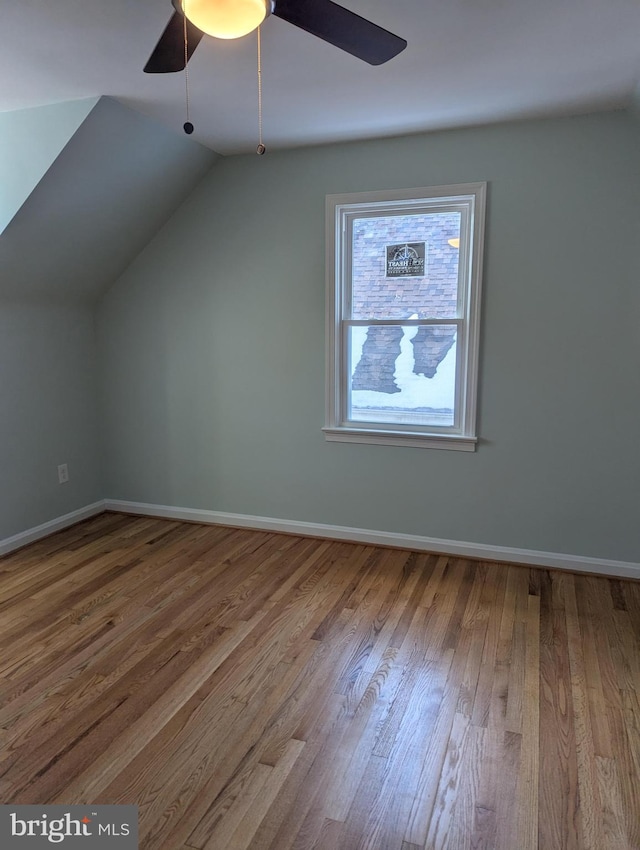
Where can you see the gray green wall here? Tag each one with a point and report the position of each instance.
(48, 413)
(212, 346)
(92, 207)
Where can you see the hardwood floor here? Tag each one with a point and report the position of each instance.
(255, 690)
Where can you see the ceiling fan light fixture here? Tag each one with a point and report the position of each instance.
(225, 18)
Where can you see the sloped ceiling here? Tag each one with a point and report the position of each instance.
(30, 141)
(111, 188)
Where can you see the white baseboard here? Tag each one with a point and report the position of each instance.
(575, 563)
(9, 544)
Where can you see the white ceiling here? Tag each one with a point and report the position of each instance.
(468, 62)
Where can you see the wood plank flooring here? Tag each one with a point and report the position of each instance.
(256, 691)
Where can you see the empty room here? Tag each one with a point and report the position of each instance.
(319, 404)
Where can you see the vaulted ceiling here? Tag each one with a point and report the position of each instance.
(95, 205)
(466, 63)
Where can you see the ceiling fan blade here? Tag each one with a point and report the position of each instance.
(168, 55)
(342, 28)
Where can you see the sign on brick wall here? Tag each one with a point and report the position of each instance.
(407, 259)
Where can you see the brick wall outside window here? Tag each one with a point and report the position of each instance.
(377, 297)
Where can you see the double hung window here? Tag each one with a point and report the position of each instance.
(403, 313)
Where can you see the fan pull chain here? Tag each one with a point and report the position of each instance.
(261, 149)
(187, 126)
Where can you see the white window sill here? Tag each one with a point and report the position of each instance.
(399, 438)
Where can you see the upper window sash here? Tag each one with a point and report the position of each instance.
(349, 216)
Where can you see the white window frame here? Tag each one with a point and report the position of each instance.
(341, 211)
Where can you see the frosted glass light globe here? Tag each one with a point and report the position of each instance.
(225, 18)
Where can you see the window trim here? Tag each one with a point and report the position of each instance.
(342, 208)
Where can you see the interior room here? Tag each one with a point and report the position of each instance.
(224, 599)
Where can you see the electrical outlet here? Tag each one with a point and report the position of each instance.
(63, 473)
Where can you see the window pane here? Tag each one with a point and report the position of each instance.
(402, 375)
(405, 265)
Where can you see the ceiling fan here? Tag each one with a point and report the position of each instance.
(234, 18)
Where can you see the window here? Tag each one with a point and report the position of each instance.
(403, 309)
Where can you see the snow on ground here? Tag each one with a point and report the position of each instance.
(416, 391)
